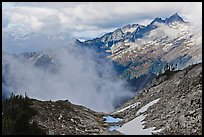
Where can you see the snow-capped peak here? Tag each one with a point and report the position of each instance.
(81, 39)
(174, 18)
(130, 28)
(158, 20)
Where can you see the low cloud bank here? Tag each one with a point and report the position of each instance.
(81, 76)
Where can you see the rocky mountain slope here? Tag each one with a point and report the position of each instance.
(26, 116)
(177, 109)
(65, 118)
(147, 50)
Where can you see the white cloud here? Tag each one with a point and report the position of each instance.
(80, 77)
(193, 14)
(92, 16)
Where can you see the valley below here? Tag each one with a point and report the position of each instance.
(172, 105)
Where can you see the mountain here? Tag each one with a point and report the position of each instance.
(144, 50)
(29, 41)
(70, 119)
(49, 118)
(132, 32)
(10, 82)
(171, 105)
(174, 18)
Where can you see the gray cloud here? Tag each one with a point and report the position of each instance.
(80, 78)
(35, 41)
(85, 20)
(95, 15)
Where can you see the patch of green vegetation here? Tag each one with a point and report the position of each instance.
(16, 113)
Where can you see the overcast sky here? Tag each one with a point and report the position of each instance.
(91, 19)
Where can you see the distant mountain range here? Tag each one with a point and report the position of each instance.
(146, 50)
(130, 33)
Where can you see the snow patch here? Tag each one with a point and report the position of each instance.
(143, 109)
(115, 127)
(130, 106)
(135, 126)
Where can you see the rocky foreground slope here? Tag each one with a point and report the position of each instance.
(178, 110)
(64, 118)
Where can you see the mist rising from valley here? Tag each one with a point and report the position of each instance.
(77, 74)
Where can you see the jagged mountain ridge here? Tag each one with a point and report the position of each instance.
(148, 49)
(131, 32)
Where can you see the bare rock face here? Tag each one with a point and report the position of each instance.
(64, 118)
(179, 109)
